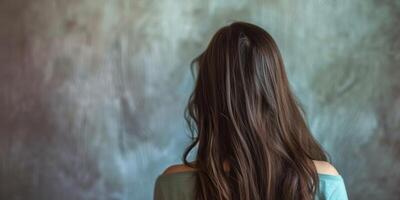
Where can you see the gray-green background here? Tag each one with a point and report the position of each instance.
(92, 92)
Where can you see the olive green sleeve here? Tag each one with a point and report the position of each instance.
(158, 190)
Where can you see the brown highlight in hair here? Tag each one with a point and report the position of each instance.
(242, 113)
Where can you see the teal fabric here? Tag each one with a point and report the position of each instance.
(180, 185)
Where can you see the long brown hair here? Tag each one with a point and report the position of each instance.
(242, 112)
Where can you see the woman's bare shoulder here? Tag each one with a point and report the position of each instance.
(177, 168)
(324, 167)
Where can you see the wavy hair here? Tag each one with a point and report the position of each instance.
(242, 113)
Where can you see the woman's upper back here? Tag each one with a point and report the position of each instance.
(177, 183)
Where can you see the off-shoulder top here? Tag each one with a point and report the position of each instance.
(180, 186)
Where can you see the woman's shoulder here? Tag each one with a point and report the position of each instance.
(176, 182)
(322, 167)
(177, 168)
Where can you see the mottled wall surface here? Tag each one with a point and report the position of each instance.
(92, 92)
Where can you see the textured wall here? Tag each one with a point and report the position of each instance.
(92, 92)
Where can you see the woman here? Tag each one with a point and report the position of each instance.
(253, 141)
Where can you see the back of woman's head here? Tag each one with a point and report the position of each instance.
(242, 113)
